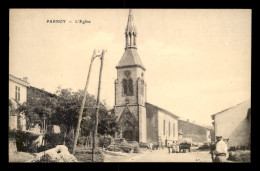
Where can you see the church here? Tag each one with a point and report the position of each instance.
(139, 120)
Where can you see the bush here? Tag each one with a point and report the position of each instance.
(241, 156)
(113, 147)
(82, 140)
(126, 147)
(20, 138)
(32, 148)
(51, 141)
(143, 145)
(137, 149)
(24, 140)
(120, 140)
(105, 141)
(11, 134)
(135, 143)
(136, 146)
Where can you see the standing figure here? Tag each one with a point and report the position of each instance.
(221, 151)
(173, 147)
(169, 147)
(177, 148)
(151, 146)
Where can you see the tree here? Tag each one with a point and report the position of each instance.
(67, 111)
(108, 125)
(39, 107)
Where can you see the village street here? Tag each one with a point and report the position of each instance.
(163, 156)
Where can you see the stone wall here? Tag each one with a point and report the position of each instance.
(12, 146)
(13, 121)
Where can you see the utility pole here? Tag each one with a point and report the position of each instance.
(97, 108)
(83, 103)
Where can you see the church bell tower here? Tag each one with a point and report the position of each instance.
(130, 89)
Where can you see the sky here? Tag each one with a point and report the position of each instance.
(198, 61)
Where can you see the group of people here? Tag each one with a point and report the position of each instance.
(174, 147)
(219, 152)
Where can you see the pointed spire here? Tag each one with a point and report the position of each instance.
(130, 23)
(130, 31)
(130, 58)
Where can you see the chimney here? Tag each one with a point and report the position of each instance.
(25, 79)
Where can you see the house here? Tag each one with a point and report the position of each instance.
(17, 96)
(234, 124)
(212, 133)
(197, 134)
(138, 120)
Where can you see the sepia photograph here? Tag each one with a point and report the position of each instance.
(129, 85)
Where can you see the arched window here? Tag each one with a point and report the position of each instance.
(125, 86)
(130, 87)
(128, 84)
(163, 127)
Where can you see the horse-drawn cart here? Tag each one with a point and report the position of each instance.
(184, 146)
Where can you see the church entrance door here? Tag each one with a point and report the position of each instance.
(128, 135)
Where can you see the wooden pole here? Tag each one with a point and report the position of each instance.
(82, 106)
(97, 108)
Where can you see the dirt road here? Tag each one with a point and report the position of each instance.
(164, 156)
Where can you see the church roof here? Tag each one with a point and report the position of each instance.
(130, 58)
(163, 110)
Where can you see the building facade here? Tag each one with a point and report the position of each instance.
(195, 133)
(162, 125)
(17, 96)
(137, 119)
(130, 91)
(234, 124)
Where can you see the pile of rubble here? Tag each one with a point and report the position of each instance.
(58, 154)
(121, 145)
